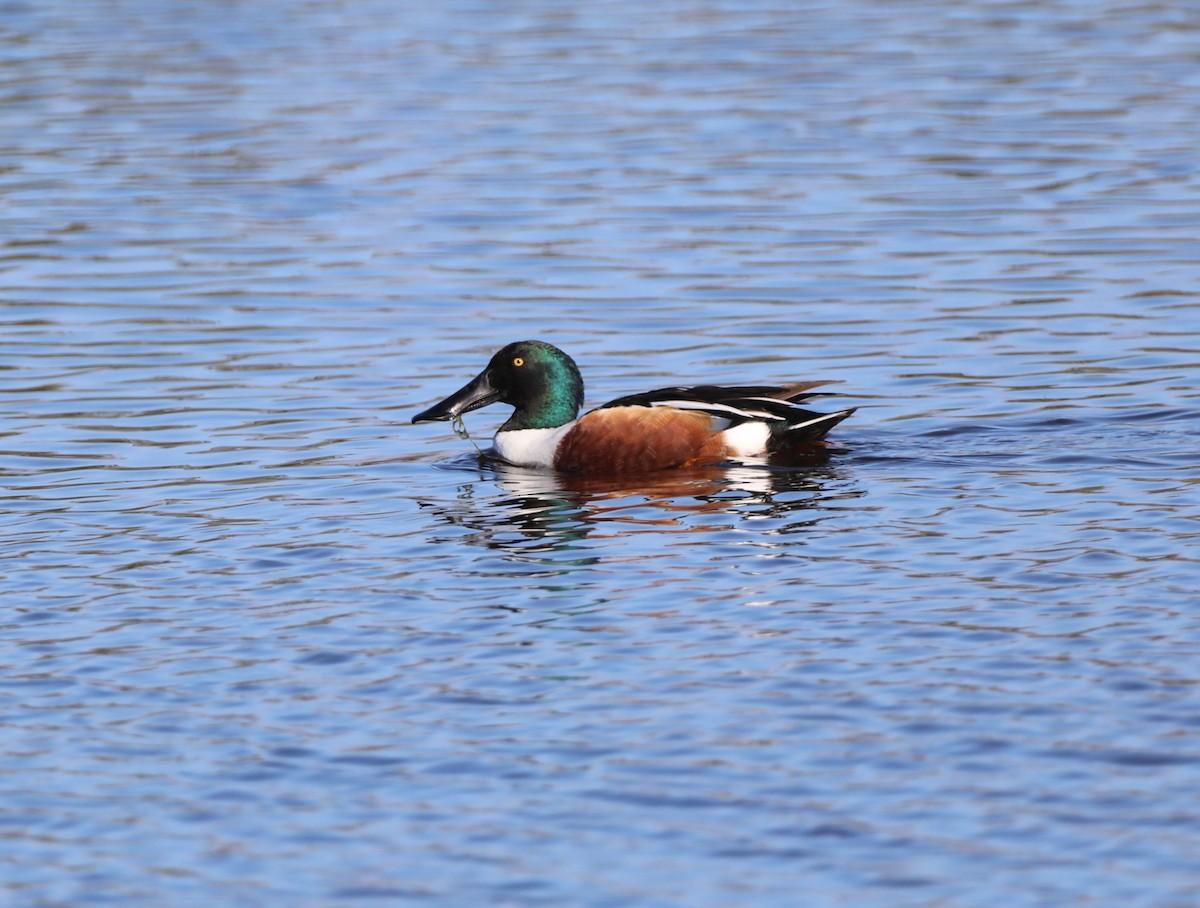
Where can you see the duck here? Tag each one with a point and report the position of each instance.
(664, 429)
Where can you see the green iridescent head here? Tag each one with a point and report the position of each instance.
(540, 381)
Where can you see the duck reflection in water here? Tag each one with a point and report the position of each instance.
(539, 511)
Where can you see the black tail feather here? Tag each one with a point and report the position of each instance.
(811, 429)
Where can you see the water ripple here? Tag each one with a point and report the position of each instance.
(269, 642)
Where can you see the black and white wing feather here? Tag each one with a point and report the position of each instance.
(779, 406)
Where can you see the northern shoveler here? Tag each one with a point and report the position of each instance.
(655, 430)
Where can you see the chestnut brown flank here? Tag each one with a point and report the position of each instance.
(639, 439)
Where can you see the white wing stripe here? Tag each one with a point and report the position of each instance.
(811, 422)
(711, 408)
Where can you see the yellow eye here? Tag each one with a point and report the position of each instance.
(517, 361)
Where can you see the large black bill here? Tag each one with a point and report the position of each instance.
(478, 393)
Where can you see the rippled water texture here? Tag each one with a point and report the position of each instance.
(266, 643)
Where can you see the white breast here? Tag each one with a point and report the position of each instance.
(530, 447)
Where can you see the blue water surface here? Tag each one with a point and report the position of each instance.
(267, 643)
